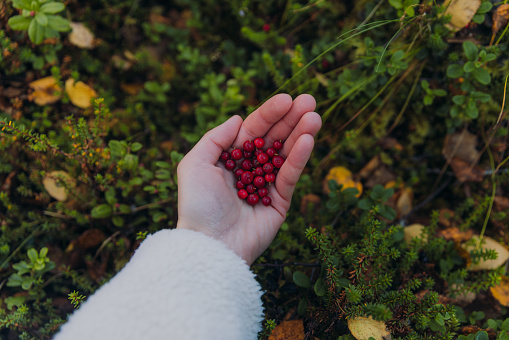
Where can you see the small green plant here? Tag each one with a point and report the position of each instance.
(76, 299)
(38, 18)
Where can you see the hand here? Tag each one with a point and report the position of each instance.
(207, 199)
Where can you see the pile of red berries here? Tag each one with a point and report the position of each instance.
(254, 169)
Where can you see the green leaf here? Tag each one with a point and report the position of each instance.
(505, 325)
(162, 164)
(118, 221)
(485, 7)
(19, 23)
(302, 307)
(482, 76)
(101, 211)
(425, 85)
(34, 32)
(320, 287)
(478, 18)
(152, 86)
(469, 66)
(471, 51)
(440, 93)
(58, 23)
(136, 147)
(52, 7)
(492, 324)
(481, 335)
(22, 4)
(41, 18)
(458, 99)
(454, 71)
(14, 281)
(130, 162)
(398, 4)
(301, 279)
(428, 100)
(12, 301)
(110, 196)
(365, 204)
(490, 57)
(117, 148)
(27, 283)
(377, 192)
(32, 255)
(159, 216)
(43, 252)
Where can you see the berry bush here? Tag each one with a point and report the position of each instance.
(399, 222)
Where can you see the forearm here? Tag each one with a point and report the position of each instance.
(180, 284)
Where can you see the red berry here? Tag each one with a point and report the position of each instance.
(257, 152)
(262, 192)
(278, 161)
(270, 178)
(240, 185)
(242, 194)
(225, 155)
(253, 199)
(259, 182)
(325, 63)
(249, 146)
(238, 173)
(250, 188)
(271, 152)
(268, 168)
(247, 154)
(266, 201)
(32, 13)
(262, 158)
(259, 171)
(230, 164)
(275, 172)
(236, 154)
(277, 145)
(247, 177)
(246, 164)
(259, 142)
(266, 28)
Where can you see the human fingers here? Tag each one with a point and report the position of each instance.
(220, 138)
(290, 172)
(310, 123)
(258, 123)
(284, 127)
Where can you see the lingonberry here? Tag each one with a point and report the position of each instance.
(247, 154)
(247, 177)
(230, 164)
(268, 168)
(266, 28)
(270, 178)
(257, 152)
(277, 145)
(238, 173)
(271, 152)
(246, 164)
(250, 188)
(253, 199)
(278, 161)
(262, 158)
(240, 185)
(259, 142)
(266, 201)
(259, 171)
(236, 154)
(225, 155)
(242, 194)
(262, 192)
(256, 164)
(249, 146)
(259, 182)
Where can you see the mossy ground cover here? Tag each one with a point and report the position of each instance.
(100, 101)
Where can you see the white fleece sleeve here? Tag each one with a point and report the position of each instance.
(180, 284)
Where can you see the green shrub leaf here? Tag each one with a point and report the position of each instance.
(19, 23)
(301, 279)
(101, 211)
(482, 76)
(471, 51)
(58, 23)
(320, 287)
(454, 71)
(52, 7)
(41, 18)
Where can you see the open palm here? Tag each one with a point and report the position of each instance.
(208, 200)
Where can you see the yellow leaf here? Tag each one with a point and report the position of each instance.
(342, 176)
(365, 328)
(461, 12)
(46, 91)
(501, 291)
(412, 231)
(54, 186)
(288, 330)
(404, 202)
(79, 93)
(81, 36)
(488, 243)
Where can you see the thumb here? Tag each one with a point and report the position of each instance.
(220, 138)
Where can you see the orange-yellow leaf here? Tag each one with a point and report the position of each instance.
(342, 176)
(46, 91)
(501, 291)
(365, 328)
(288, 330)
(500, 18)
(461, 12)
(57, 184)
(79, 93)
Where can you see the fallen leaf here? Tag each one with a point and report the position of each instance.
(370, 167)
(288, 330)
(500, 18)
(81, 36)
(461, 12)
(342, 176)
(488, 243)
(464, 298)
(501, 291)
(466, 173)
(461, 145)
(365, 328)
(413, 231)
(404, 202)
(381, 175)
(309, 200)
(445, 216)
(54, 186)
(46, 91)
(455, 234)
(89, 239)
(132, 89)
(79, 93)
